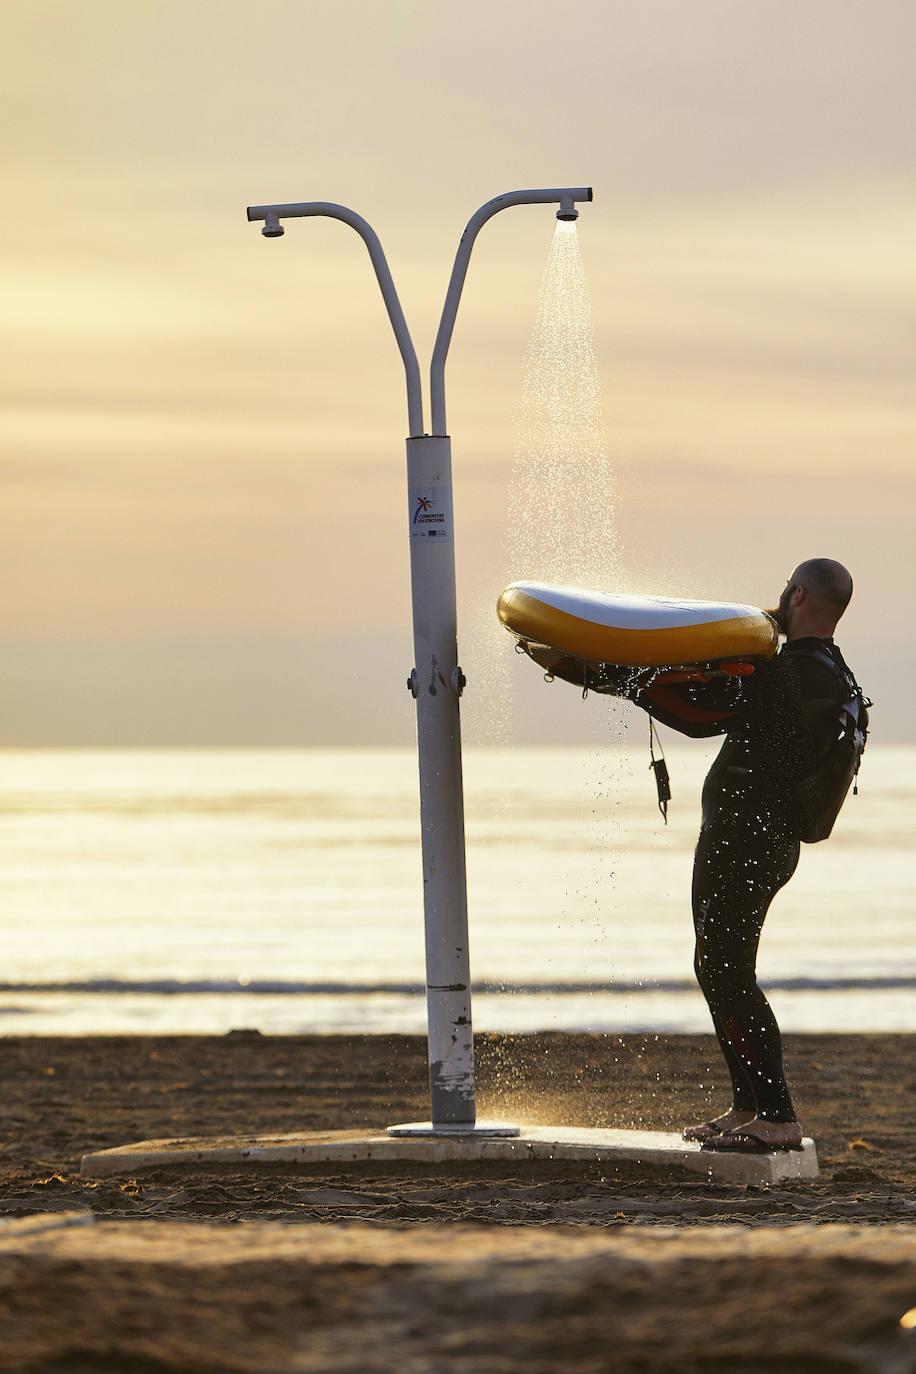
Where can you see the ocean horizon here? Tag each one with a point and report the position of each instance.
(199, 891)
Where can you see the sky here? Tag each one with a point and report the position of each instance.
(202, 485)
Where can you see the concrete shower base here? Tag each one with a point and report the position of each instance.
(657, 1149)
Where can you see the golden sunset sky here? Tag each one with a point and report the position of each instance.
(203, 493)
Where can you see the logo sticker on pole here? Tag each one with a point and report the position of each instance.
(430, 512)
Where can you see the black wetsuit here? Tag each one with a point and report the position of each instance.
(748, 849)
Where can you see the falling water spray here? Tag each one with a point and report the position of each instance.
(563, 529)
(562, 525)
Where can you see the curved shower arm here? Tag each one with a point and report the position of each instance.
(459, 272)
(272, 214)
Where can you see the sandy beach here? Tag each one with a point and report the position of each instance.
(494, 1267)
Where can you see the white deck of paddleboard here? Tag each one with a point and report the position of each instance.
(616, 611)
(656, 1149)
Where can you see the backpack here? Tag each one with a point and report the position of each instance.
(820, 795)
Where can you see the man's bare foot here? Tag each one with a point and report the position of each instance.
(758, 1137)
(708, 1130)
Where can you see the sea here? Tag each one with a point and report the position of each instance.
(175, 891)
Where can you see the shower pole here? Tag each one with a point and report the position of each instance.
(436, 681)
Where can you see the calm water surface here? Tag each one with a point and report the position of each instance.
(181, 890)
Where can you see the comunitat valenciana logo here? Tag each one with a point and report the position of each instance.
(423, 505)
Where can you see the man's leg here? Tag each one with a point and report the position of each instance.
(735, 880)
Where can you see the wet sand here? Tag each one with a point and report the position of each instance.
(496, 1267)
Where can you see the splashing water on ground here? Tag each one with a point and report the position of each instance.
(561, 506)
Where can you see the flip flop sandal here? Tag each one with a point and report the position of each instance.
(707, 1131)
(743, 1141)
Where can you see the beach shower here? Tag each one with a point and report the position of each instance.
(436, 680)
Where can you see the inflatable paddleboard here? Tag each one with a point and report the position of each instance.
(682, 661)
(639, 631)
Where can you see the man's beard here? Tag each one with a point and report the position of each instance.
(776, 614)
(779, 614)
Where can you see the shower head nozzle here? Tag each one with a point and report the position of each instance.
(567, 210)
(273, 229)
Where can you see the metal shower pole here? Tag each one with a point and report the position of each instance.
(436, 681)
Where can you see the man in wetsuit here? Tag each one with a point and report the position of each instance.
(748, 849)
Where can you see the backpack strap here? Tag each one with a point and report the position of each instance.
(830, 657)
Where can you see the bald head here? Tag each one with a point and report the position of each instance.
(815, 597)
(827, 583)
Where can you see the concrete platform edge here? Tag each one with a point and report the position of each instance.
(654, 1148)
